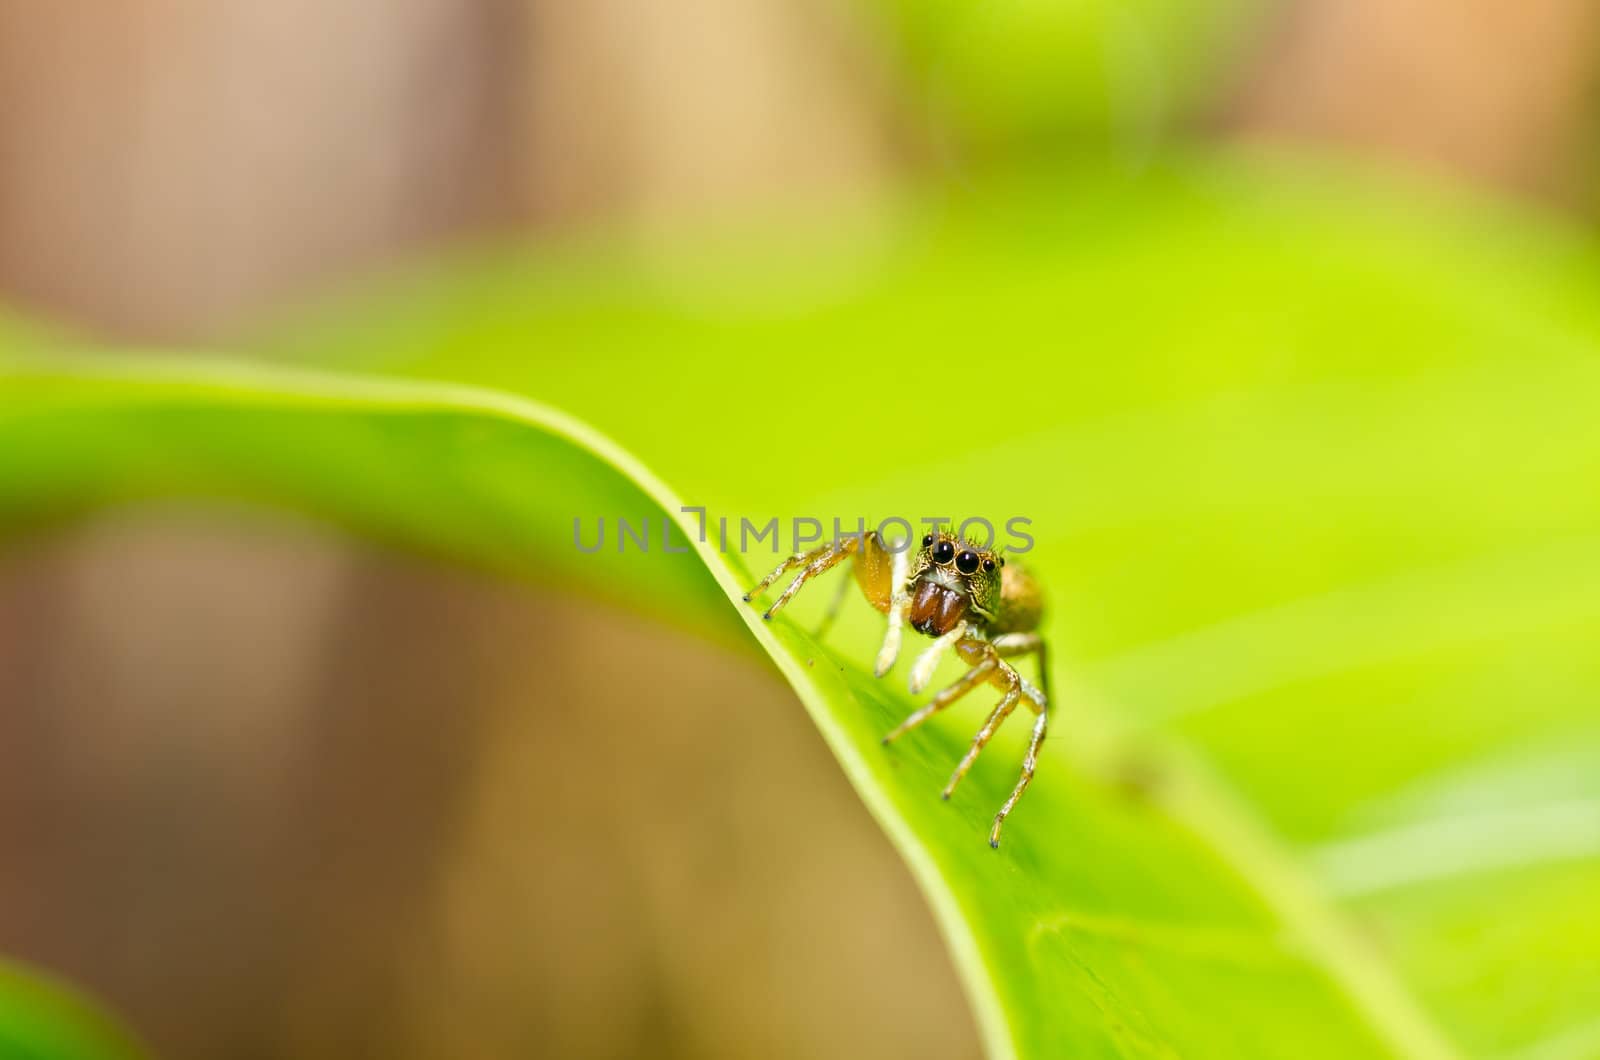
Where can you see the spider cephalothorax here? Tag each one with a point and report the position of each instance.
(952, 580)
(970, 602)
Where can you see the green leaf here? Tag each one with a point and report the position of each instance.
(1310, 472)
(43, 1020)
(1046, 75)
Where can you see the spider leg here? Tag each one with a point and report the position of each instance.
(1011, 645)
(789, 564)
(833, 609)
(1001, 712)
(922, 669)
(969, 680)
(815, 562)
(899, 603)
(1018, 689)
(1029, 760)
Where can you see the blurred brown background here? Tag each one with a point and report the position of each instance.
(273, 795)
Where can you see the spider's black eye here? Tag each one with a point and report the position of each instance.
(967, 562)
(943, 552)
(988, 564)
(927, 539)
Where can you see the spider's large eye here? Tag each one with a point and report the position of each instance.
(967, 562)
(927, 539)
(943, 552)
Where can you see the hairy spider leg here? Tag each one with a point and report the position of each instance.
(1002, 710)
(899, 604)
(969, 680)
(817, 561)
(1017, 690)
(833, 609)
(922, 669)
(1029, 761)
(1014, 645)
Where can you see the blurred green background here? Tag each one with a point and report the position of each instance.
(270, 792)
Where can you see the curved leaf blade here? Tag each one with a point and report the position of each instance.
(1124, 924)
(41, 1019)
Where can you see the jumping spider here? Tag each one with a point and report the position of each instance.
(966, 598)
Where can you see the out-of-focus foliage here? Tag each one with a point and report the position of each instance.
(42, 1020)
(1310, 474)
(1047, 75)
